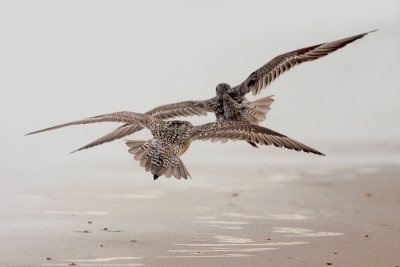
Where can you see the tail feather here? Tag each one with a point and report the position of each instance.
(184, 172)
(259, 108)
(158, 158)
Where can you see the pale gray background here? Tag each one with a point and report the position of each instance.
(65, 60)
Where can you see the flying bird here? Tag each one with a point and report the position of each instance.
(161, 154)
(230, 103)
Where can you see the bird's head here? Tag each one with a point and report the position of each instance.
(222, 88)
(178, 124)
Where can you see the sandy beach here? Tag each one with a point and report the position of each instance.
(297, 211)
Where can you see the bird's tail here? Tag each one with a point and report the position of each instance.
(259, 108)
(158, 157)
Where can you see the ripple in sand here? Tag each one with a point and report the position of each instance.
(233, 239)
(283, 217)
(228, 244)
(207, 256)
(283, 178)
(146, 195)
(243, 216)
(60, 212)
(302, 232)
(107, 259)
(204, 218)
(247, 244)
(226, 227)
(109, 262)
(217, 249)
(27, 197)
(288, 217)
(226, 222)
(95, 264)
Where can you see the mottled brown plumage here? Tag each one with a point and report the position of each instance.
(230, 102)
(160, 155)
(246, 111)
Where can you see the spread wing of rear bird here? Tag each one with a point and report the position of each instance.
(262, 77)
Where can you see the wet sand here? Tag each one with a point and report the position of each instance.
(286, 214)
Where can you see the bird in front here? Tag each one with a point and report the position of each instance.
(161, 154)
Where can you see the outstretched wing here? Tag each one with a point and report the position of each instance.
(184, 109)
(262, 77)
(232, 130)
(120, 132)
(123, 116)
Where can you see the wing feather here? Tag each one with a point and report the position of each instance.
(233, 130)
(120, 132)
(265, 75)
(184, 109)
(123, 116)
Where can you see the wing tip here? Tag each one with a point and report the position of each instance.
(377, 29)
(366, 33)
(76, 150)
(34, 132)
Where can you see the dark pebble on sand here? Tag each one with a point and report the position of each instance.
(72, 264)
(329, 263)
(49, 259)
(86, 231)
(235, 194)
(105, 229)
(133, 241)
(89, 222)
(366, 235)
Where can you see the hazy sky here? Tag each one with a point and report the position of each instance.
(65, 60)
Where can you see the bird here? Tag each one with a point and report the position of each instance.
(230, 103)
(161, 154)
